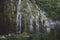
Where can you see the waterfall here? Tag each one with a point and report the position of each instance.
(37, 23)
(30, 17)
(18, 27)
(47, 22)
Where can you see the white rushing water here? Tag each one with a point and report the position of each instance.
(47, 22)
(30, 17)
(37, 23)
(18, 28)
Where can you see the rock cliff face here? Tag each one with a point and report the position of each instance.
(7, 10)
(28, 8)
(10, 11)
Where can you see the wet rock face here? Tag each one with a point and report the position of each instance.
(9, 9)
(4, 25)
(29, 11)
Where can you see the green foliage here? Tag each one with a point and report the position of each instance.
(54, 35)
(52, 7)
(29, 37)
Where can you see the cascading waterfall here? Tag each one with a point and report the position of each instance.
(51, 25)
(43, 16)
(30, 17)
(37, 23)
(47, 22)
(18, 28)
